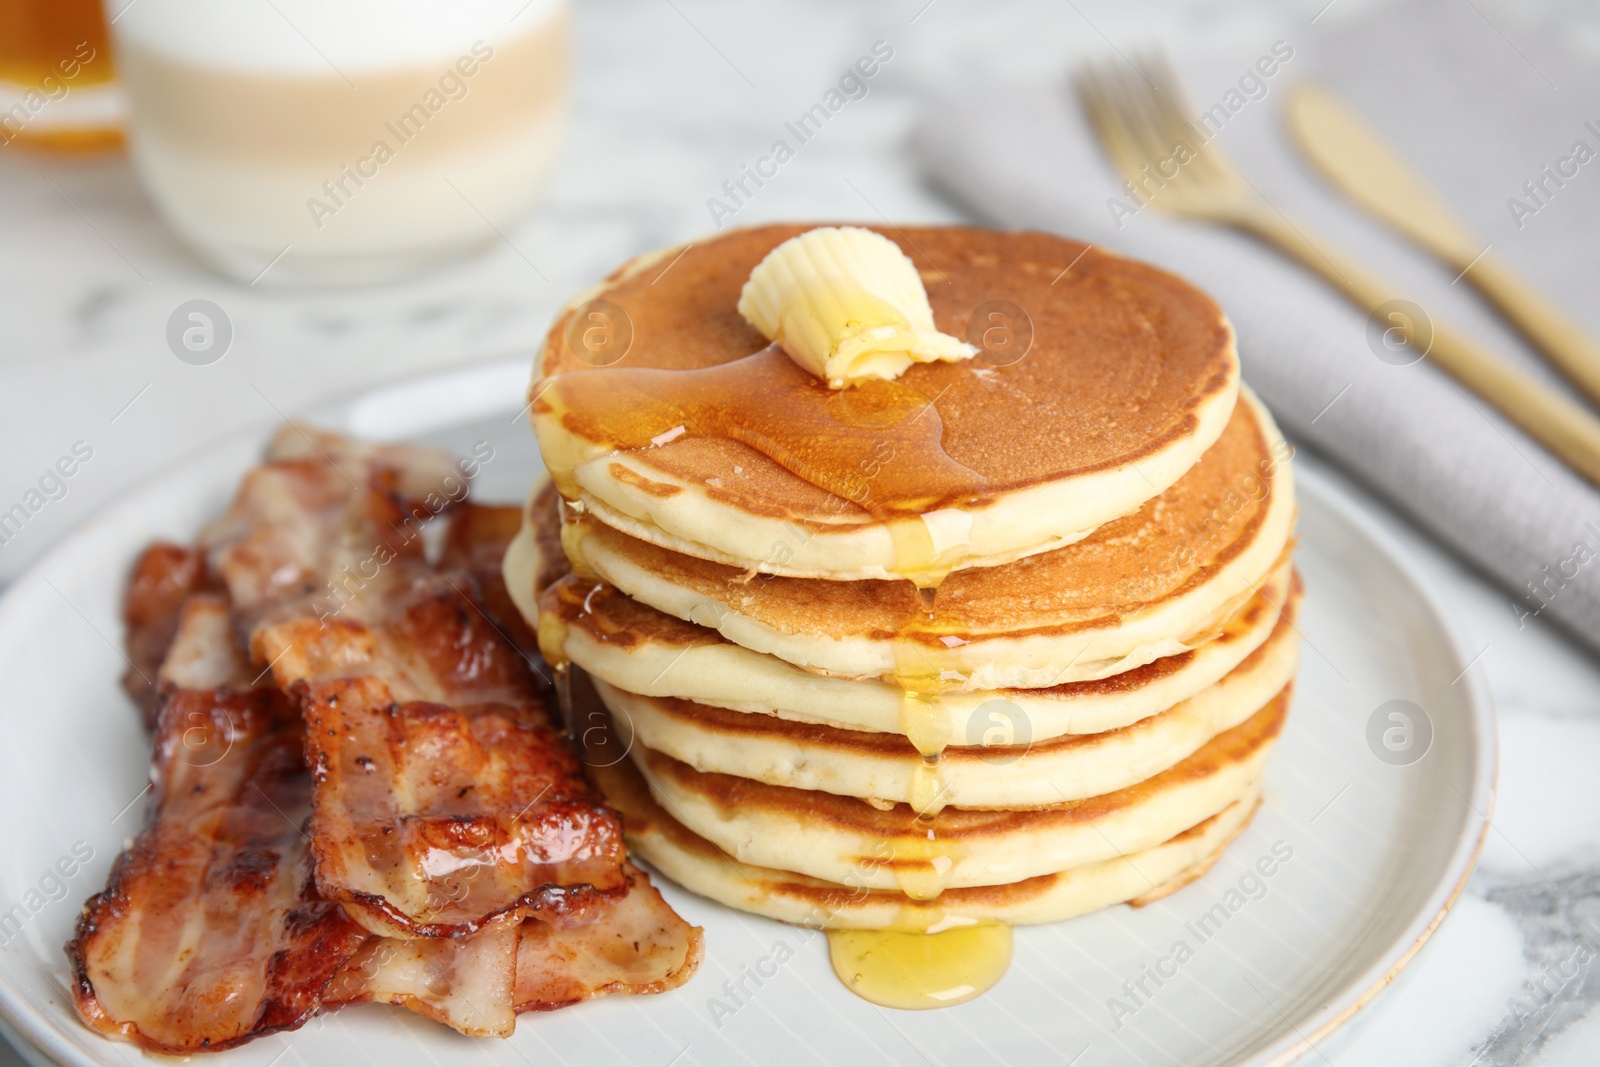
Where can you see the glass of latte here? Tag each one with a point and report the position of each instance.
(341, 140)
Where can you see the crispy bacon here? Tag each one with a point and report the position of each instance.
(640, 946)
(163, 579)
(324, 518)
(467, 983)
(208, 932)
(441, 806)
(202, 653)
(444, 798)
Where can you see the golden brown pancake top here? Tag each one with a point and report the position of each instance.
(1122, 356)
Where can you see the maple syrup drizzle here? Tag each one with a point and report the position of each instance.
(878, 444)
(922, 863)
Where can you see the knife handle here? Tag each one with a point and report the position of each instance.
(1566, 428)
(1550, 329)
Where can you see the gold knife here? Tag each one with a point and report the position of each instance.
(1356, 160)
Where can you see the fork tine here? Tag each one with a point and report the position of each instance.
(1141, 117)
(1098, 99)
(1091, 90)
(1148, 102)
(1126, 136)
(1176, 117)
(1140, 104)
(1112, 107)
(1169, 108)
(1174, 110)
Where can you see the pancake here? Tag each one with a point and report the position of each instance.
(533, 560)
(1155, 583)
(640, 650)
(701, 867)
(1024, 773)
(839, 838)
(1129, 375)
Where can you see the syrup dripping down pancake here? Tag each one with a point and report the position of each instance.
(655, 834)
(1154, 583)
(837, 837)
(1008, 769)
(640, 650)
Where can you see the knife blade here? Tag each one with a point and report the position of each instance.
(1356, 160)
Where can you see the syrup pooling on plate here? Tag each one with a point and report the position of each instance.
(878, 445)
(912, 970)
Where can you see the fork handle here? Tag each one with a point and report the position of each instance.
(1567, 429)
(1567, 344)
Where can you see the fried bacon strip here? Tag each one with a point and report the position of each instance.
(640, 946)
(467, 983)
(163, 580)
(445, 799)
(208, 932)
(322, 519)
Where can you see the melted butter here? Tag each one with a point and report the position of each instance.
(878, 444)
(913, 971)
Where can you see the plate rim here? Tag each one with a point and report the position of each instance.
(1483, 724)
(40, 1038)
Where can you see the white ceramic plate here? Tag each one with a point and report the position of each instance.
(1370, 851)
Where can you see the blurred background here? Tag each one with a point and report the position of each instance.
(196, 241)
(668, 99)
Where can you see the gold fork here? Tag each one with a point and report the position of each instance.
(1141, 118)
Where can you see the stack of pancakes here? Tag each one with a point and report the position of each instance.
(866, 709)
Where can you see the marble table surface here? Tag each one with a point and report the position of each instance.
(671, 96)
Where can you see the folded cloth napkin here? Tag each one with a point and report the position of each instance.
(1500, 118)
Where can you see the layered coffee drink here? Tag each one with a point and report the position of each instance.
(357, 140)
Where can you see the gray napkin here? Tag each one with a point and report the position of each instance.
(1480, 103)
